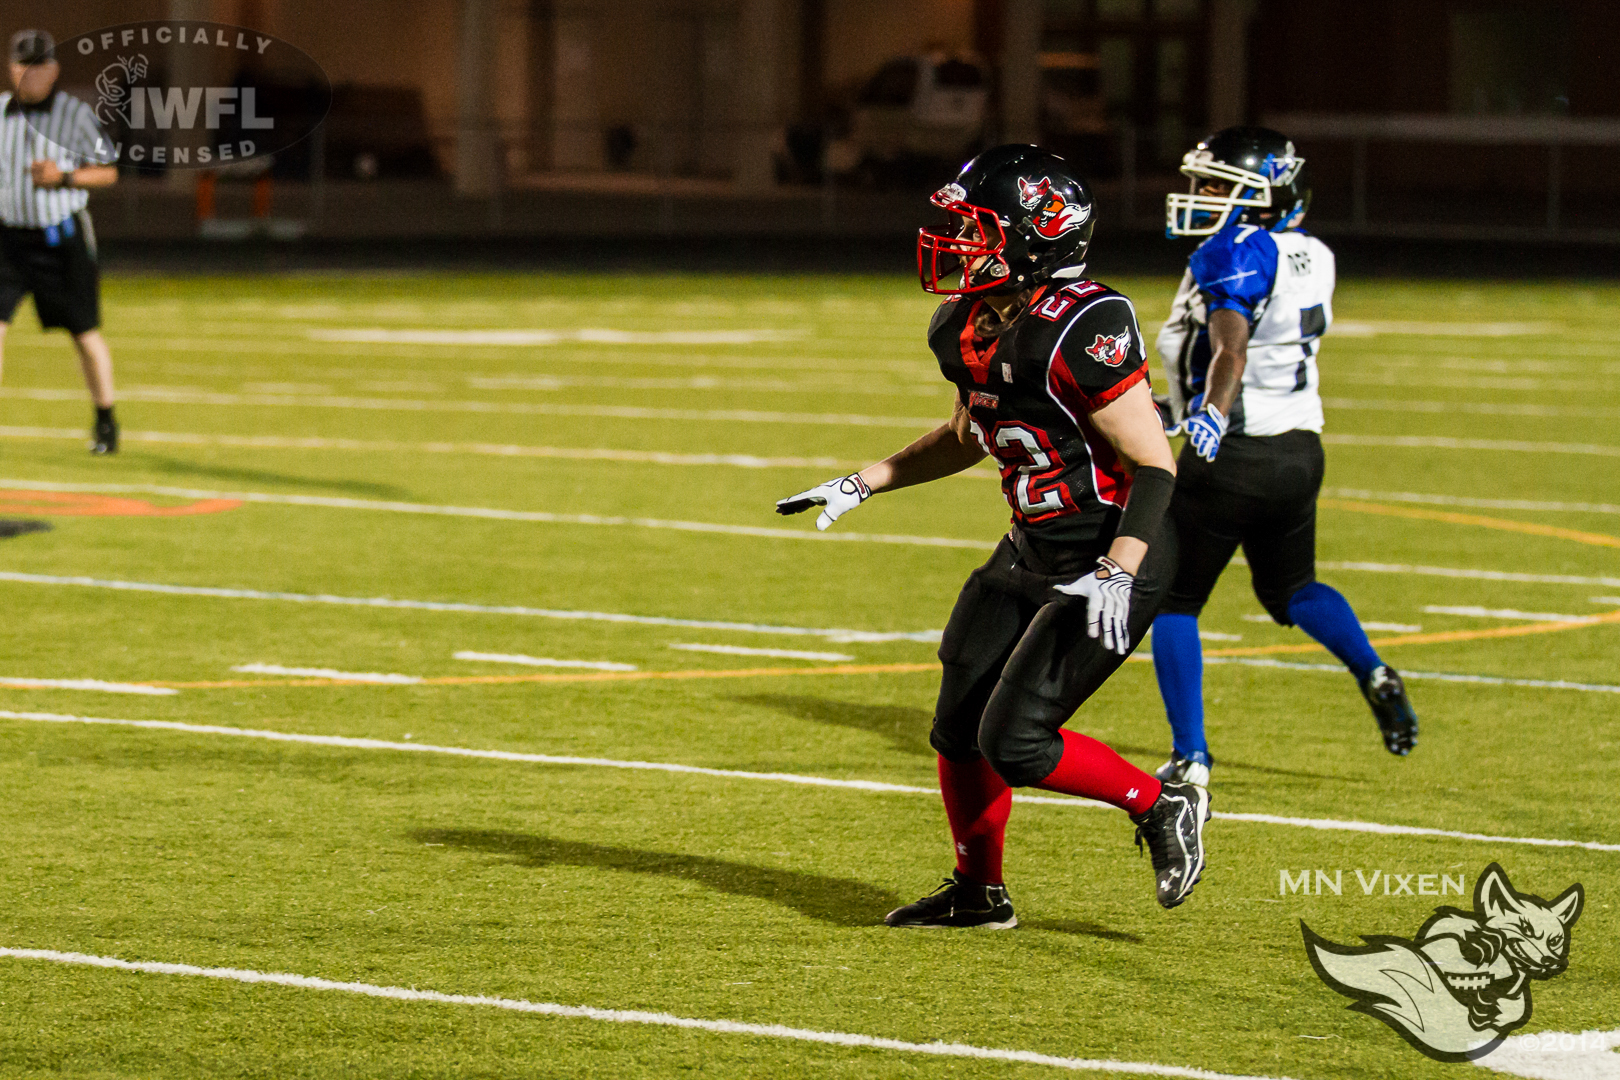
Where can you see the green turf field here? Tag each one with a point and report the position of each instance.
(330, 435)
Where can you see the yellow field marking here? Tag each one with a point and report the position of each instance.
(1439, 638)
(1504, 524)
(582, 677)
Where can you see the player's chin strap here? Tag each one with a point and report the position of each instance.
(1069, 273)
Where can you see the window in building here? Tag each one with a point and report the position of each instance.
(1116, 68)
(1121, 9)
(1175, 9)
(1510, 60)
(1172, 86)
(893, 85)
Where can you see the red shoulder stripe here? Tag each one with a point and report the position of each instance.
(978, 362)
(1068, 393)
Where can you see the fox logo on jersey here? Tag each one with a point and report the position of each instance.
(1110, 350)
(1055, 216)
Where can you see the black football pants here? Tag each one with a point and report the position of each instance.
(1260, 492)
(1018, 661)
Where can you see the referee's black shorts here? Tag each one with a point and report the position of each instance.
(1260, 492)
(62, 276)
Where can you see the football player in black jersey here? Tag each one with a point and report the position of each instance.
(1051, 379)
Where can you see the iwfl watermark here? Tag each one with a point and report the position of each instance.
(193, 95)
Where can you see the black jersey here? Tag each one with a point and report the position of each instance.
(1030, 392)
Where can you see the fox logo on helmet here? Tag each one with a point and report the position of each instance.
(1054, 215)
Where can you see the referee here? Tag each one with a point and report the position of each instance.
(49, 158)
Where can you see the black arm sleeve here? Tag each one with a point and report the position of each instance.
(1151, 489)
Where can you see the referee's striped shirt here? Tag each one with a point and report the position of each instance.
(61, 128)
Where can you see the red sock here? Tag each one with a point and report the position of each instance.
(977, 802)
(1092, 769)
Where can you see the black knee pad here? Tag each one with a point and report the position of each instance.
(1018, 735)
(1276, 601)
(948, 743)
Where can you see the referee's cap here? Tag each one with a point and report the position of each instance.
(32, 47)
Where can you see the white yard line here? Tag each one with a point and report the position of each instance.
(1462, 572)
(1438, 442)
(1557, 1055)
(1405, 328)
(1481, 408)
(1479, 504)
(1388, 627)
(737, 774)
(1437, 676)
(1474, 611)
(568, 453)
(179, 396)
(490, 513)
(781, 654)
(329, 673)
(86, 684)
(622, 1016)
(543, 661)
(379, 336)
(832, 634)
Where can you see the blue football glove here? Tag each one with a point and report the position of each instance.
(1204, 429)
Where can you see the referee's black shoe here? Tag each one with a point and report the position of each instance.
(1386, 693)
(959, 902)
(105, 436)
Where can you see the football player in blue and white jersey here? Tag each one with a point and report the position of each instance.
(1240, 350)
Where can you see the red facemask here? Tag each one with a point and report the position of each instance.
(940, 256)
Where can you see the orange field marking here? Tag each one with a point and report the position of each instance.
(582, 677)
(74, 504)
(1438, 638)
(1504, 524)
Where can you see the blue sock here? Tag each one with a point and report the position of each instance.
(1178, 661)
(1325, 615)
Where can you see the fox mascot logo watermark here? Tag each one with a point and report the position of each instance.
(1054, 215)
(1458, 990)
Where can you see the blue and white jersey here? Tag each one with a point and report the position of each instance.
(1282, 283)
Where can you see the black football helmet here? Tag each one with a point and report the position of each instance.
(1269, 185)
(1017, 217)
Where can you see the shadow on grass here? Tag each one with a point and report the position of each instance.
(177, 467)
(905, 728)
(840, 901)
(1228, 763)
(1076, 926)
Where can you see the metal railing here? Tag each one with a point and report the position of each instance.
(1551, 134)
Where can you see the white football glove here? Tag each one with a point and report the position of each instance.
(1107, 591)
(835, 497)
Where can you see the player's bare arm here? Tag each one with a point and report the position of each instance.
(947, 449)
(1229, 349)
(1131, 425)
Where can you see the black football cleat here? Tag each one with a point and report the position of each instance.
(105, 437)
(959, 902)
(1173, 829)
(1386, 693)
